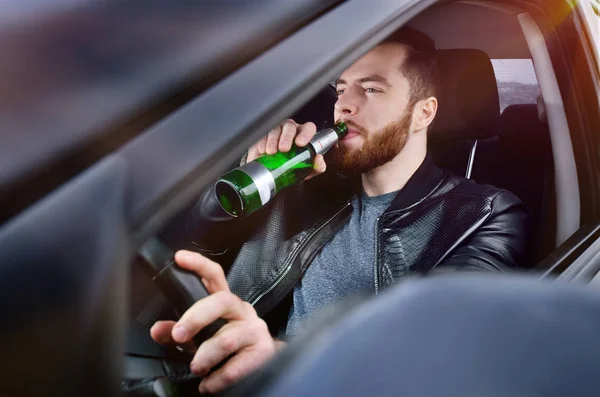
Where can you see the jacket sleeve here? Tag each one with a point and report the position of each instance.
(210, 229)
(499, 244)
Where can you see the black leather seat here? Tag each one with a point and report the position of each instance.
(520, 159)
(522, 148)
(511, 151)
(469, 108)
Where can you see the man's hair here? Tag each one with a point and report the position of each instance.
(420, 66)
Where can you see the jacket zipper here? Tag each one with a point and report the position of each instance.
(293, 257)
(375, 267)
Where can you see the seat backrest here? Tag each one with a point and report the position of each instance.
(520, 160)
(513, 150)
(523, 147)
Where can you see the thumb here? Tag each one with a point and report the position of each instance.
(319, 165)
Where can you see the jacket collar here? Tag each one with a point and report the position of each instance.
(425, 179)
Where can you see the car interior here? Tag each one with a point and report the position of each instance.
(134, 164)
(471, 136)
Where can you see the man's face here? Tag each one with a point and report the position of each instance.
(373, 100)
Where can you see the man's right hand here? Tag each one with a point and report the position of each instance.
(281, 138)
(245, 341)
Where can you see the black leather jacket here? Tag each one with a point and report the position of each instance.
(437, 221)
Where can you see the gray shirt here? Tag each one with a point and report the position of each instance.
(346, 264)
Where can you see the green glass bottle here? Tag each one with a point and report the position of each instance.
(245, 189)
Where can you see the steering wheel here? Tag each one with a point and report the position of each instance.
(152, 372)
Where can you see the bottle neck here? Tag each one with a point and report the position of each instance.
(340, 129)
(325, 140)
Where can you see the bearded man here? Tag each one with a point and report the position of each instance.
(381, 212)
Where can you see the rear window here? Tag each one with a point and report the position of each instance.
(517, 83)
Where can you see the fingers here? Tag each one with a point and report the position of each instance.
(257, 150)
(251, 342)
(210, 272)
(282, 137)
(222, 304)
(305, 133)
(289, 130)
(261, 145)
(235, 369)
(244, 341)
(161, 334)
(230, 339)
(273, 140)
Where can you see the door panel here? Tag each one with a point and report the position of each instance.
(64, 253)
(63, 270)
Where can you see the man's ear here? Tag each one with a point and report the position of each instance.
(424, 113)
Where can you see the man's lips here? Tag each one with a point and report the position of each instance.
(351, 134)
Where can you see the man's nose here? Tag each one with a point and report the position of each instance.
(346, 104)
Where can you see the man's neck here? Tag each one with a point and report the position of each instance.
(393, 175)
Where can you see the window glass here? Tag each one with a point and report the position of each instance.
(517, 83)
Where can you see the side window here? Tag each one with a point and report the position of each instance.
(517, 83)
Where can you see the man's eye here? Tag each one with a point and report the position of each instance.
(339, 92)
(372, 90)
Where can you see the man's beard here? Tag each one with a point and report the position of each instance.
(378, 148)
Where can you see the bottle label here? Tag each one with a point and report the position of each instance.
(324, 140)
(263, 180)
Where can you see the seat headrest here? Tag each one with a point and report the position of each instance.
(469, 107)
(521, 123)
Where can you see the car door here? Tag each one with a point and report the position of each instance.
(119, 114)
(570, 37)
(115, 117)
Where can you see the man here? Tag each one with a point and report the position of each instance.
(383, 212)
